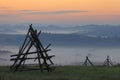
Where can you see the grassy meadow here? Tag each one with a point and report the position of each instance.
(64, 73)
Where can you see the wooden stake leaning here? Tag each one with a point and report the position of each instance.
(41, 58)
(108, 62)
(87, 62)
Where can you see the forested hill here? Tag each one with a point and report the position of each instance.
(63, 40)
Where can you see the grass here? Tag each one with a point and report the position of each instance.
(64, 73)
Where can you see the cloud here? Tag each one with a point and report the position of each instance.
(8, 15)
(38, 12)
(115, 15)
(2, 7)
(28, 10)
(51, 12)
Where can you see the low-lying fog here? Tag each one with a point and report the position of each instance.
(68, 55)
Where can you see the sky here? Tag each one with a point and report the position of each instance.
(60, 12)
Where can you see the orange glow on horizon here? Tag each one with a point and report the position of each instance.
(95, 8)
(48, 5)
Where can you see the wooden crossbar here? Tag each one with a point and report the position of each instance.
(32, 40)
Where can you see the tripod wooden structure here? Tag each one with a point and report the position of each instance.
(33, 50)
(87, 62)
(108, 62)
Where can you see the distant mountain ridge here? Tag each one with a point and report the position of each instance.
(87, 30)
(70, 40)
(88, 35)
